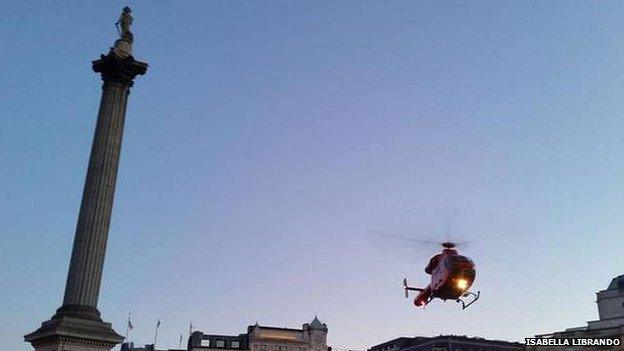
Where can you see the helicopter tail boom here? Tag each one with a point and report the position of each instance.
(409, 288)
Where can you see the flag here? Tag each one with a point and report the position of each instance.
(130, 326)
(190, 327)
(158, 324)
(180, 342)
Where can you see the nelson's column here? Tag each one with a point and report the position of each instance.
(76, 325)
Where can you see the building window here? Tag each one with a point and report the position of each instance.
(220, 343)
(235, 344)
(283, 348)
(205, 343)
(263, 348)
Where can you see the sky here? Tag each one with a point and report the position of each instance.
(270, 139)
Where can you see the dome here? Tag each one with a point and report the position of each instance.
(617, 283)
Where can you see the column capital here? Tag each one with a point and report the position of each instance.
(117, 69)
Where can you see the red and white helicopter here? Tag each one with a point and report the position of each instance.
(452, 276)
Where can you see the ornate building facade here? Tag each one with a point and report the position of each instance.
(610, 322)
(311, 337)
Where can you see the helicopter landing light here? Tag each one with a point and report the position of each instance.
(462, 284)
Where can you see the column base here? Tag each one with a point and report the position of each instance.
(78, 311)
(65, 333)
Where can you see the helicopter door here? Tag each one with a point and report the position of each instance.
(438, 276)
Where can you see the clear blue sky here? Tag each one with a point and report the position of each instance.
(268, 137)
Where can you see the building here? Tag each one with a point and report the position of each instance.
(610, 322)
(205, 342)
(150, 347)
(446, 343)
(311, 337)
(397, 344)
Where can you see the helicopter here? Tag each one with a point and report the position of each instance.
(452, 275)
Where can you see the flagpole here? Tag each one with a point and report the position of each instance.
(156, 333)
(127, 327)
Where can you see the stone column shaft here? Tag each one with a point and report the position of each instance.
(85, 270)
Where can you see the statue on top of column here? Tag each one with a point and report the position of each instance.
(123, 45)
(125, 21)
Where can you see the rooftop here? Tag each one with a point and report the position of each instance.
(404, 343)
(617, 283)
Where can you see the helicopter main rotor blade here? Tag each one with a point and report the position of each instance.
(419, 242)
(407, 238)
(403, 248)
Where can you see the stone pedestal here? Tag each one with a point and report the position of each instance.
(122, 48)
(77, 325)
(74, 334)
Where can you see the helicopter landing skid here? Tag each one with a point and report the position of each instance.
(475, 297)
